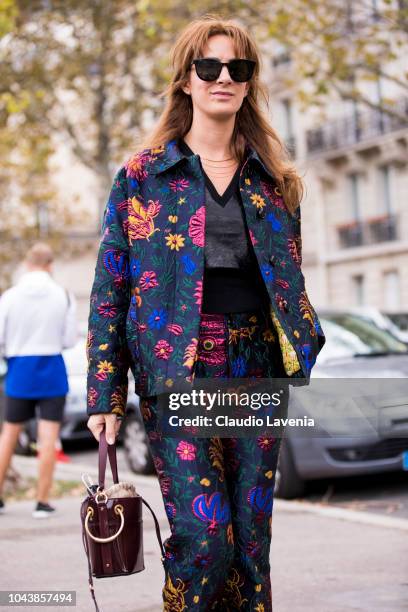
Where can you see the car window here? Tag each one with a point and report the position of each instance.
(349, 335)
(75, 358)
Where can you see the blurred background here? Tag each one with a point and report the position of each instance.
(82, 81)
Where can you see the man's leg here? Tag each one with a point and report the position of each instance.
(48, 432)
(51, 415)
(8, 440)
(18, 411)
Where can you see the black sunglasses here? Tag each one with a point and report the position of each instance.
(209, 69)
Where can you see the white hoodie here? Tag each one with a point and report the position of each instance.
(37, 317)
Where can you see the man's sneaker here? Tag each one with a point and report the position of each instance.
(43, 510)
(1, 505)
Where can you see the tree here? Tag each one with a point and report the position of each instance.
(338, 45)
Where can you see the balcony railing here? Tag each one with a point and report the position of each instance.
(370, 231)
(361, 126)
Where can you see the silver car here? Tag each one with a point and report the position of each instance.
(355, 348)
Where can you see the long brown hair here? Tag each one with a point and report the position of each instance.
(251, 124)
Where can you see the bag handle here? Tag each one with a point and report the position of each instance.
(106, 449)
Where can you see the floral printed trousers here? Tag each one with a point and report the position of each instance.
(218, 492)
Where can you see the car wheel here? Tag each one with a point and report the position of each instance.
(25, 445)
(136, 446)
(288, 483)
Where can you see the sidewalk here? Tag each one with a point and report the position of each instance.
(322, 560)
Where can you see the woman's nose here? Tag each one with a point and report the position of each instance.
(224, 74)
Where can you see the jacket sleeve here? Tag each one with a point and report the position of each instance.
(107, 352)
(70, 333)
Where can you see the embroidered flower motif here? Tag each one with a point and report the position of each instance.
(282, 283)
(135, 166)
(267, 273)
(281, 302)
(190, 353)
(198, 293)
(175, 241)
(258, 200)
(119, 400)
(140, 219)
(163, 349)
(294, 247)
(104, 368)
(134, 267)
(175, 329)
(106, 309)
(179, 184)
(148, 280)
(92, 396)
(196, 227)
(265, 442)
(158, 319)
(252, 237)
(306, 308)
(173, 595)
(186, 451)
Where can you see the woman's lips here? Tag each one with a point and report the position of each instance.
(221, 95)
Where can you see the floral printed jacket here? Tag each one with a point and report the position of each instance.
(146, 296)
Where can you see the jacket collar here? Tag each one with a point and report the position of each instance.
(169, 155)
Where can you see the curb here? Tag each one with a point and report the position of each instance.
(344, 514)
(75, 470)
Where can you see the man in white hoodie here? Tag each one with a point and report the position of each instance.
(37, 321)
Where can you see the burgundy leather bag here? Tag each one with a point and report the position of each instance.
(112, 526)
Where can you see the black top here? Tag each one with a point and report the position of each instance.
(232, 279)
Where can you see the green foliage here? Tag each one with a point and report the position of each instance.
(87, 71)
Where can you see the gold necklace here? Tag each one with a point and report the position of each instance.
(216, 160)
(219, 171)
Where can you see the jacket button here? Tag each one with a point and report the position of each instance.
(272, 260)
(260, 213)
(303, 352)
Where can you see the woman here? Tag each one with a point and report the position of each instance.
(198, 276)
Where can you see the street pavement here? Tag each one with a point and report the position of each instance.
(323, 559)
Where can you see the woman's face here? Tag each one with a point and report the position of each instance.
(203, 92)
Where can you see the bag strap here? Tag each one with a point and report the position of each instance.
(106, 449)
(90, 580)
(157, 526)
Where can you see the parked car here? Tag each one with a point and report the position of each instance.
(382, 320)
(355, 348)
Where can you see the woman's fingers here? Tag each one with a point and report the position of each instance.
(112, 427)
(112, 424)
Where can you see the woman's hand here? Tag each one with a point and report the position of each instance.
(112, 425)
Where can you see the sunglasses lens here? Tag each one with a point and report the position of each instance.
(241, 70)
(207, 69)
